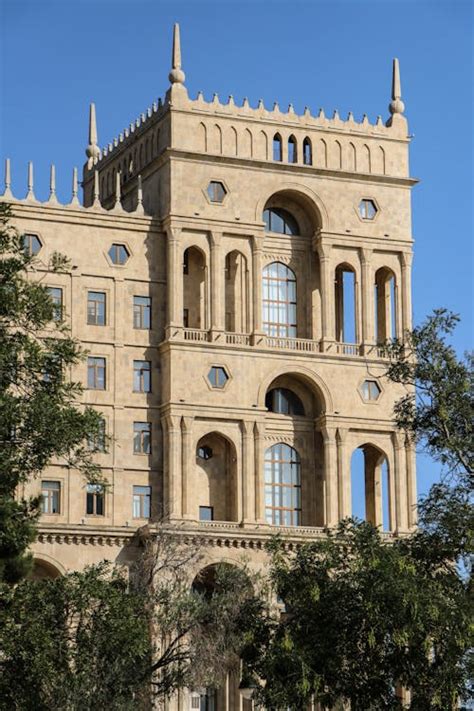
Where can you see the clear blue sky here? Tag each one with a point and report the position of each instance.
(58, 55)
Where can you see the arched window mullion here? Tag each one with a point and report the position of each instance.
(282, 485)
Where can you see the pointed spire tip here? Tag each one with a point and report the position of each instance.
(176, 75)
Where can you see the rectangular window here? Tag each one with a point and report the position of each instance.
(142, 438)
(141, 501)
(50, 497)
(206, 513)
(56, 296)
(141, 376)
(95, 500)
(96, 443)
(96, 308)
(141, 312)
(96, 373)
(186, 318)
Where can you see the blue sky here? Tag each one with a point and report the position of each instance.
(58, 55)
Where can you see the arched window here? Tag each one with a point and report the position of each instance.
(279, 300)
(345, 302)
(292, 150)
(385, 305)
(283, 402)
(307, 152)
(194, 289)
(278, 220)
(370, 487)
(277, 147)
(282, 486)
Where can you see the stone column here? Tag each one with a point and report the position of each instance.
(330, 476)
(400, 480)
(367, 292)
(406, 260)
(187, 458)
(257, 287)
(410, 456)
(344, 474)
(248, 475)
(259, 432)
(217, 288)
(174, 282)
(172, 494)
(327, 295)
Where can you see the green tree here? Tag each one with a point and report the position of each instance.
(106, 639)
(40, 418)
(362, 616)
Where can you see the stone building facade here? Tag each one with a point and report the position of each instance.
(235, 272)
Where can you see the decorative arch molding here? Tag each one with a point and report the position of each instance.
(220, 433)
(315, 382)
(49, 562)
(310, 200)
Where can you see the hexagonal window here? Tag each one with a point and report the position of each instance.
(204, 452)
(217, 376)
(31, 244)
(216, 191)
(118, 253)
(367, 209)
(371, 390)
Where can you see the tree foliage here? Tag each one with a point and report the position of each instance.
(103, 639)
(363, 616)
(40, 418)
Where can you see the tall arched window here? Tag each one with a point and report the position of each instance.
(292, 150)
(278, 220)
(279, 300)
(277, 147)
(385, 305)
(282, 486)
(283, 402)
(307, 152)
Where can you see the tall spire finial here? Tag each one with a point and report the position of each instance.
(176, 75)
(396, 105)
(92, 150)
(8, 180)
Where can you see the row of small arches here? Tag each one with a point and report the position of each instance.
(132, 163)
(322, 152)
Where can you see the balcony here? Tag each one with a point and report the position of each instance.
(276, 343)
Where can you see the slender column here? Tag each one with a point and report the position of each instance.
(257, 285)
(327, 295)
(400, 479)
(217, 288)
(344, 475)
(186, 462)
(172, 495)
(248, 476)
(410, 456)
(330, 476)
(174, 280)
(367, 293)
(406, 260)
(259, 431)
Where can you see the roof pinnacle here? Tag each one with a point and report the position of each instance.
(92, 150)
(176, 75)
(396, 106)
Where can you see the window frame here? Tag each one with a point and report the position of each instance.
(141, 495)
(274, 483)
(112, 251)
(27, 247)
(47, 499)
(95, 368)
(138, 372)
(271, 285)
(140, 430)
(209, 509)
(95, 494)
(291, 227)
(58, 304)
(143, 311)
(97, 315)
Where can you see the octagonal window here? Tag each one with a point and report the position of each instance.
(371, 390)
(367, 209)
(31, 244)
(118, 253)
(217, 376)
(216, 191)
